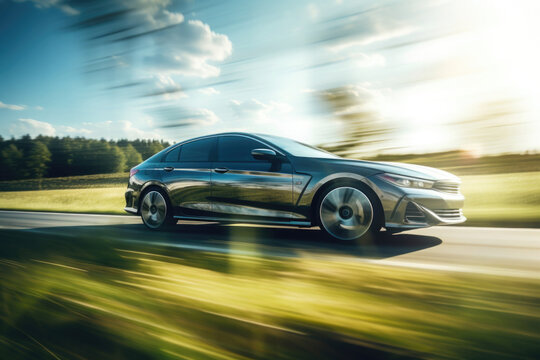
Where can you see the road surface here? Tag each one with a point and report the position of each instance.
(497, 251)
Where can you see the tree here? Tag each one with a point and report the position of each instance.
(61, 157)
(148, 148)
(133, 157)
(53, 156)
(117, 160)
(36, 160)
(10, 161)
(99, 157)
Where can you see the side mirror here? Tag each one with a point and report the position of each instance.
(264, 154)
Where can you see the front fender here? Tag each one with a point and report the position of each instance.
(312, 189)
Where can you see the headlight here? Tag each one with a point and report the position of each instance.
(406, 181)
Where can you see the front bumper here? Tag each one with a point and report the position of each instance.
(412, 214)
(407, 208)
(131, 203)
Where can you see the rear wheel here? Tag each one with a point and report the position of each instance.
(156, 211)
(346, 213)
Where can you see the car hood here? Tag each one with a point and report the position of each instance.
(419, 171)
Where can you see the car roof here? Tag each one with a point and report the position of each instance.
(257, 136)
(252, 135)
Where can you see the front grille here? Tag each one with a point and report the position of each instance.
(449, 214)
(451, 187)
(414, 214)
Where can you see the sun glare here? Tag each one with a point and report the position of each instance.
(492, 57)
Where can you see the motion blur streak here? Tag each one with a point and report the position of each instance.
(244, 288)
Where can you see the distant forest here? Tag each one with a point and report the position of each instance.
(45, 156)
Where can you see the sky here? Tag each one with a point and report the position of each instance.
(440, 74)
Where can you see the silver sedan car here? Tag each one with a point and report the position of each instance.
(264, 179)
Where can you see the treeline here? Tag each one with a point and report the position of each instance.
(45, 156)
(461, 162)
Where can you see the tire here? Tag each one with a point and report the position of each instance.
(345, 212)
(156, 209)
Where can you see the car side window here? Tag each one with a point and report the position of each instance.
(198, 150)
(173, 155)
(237, 148)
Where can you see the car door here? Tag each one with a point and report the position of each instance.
(187, 175)
(246, 188)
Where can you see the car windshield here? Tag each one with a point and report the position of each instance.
(296, 148)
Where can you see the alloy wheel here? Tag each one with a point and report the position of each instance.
(154, 209)
(346, 213)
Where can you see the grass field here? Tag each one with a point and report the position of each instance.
(491, 200)
(502, 199)
(104, 299)
(68, 182)
(106, 200)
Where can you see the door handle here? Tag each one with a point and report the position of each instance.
(221, 170)
(168, 168)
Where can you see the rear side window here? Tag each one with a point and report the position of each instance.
(172, 156)
(237, 148)
(198, 150)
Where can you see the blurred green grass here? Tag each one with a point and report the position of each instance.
(491, 200)
(502, 199)
(104, 200)
(68, 182)
(97, 298)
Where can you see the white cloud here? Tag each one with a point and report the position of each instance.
(171, 18)
(71, 131)
(313, 11)
(187, 49)
(369, 60)
(370, 38)
(377, 25)
(131, 131)
(141, 128)
(45, 4)
(69, 10)
(127, 129)
(38, 108)
(209, 91)
(138, 128)
(207, 117)
(359, 58)
(202, 116)
(11, 107)
(32, 127)
(168, 88)
(258, 111)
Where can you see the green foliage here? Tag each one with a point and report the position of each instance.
(133, 157)
(67, 182)
(10, 157)
(109, 200)
(46, 156)
(148, 148)
(61, 156)
(36, 160)
(464, 163)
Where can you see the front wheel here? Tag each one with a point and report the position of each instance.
(156, 212)
(346, 213)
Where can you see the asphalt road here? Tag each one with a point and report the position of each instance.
(496, 251)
